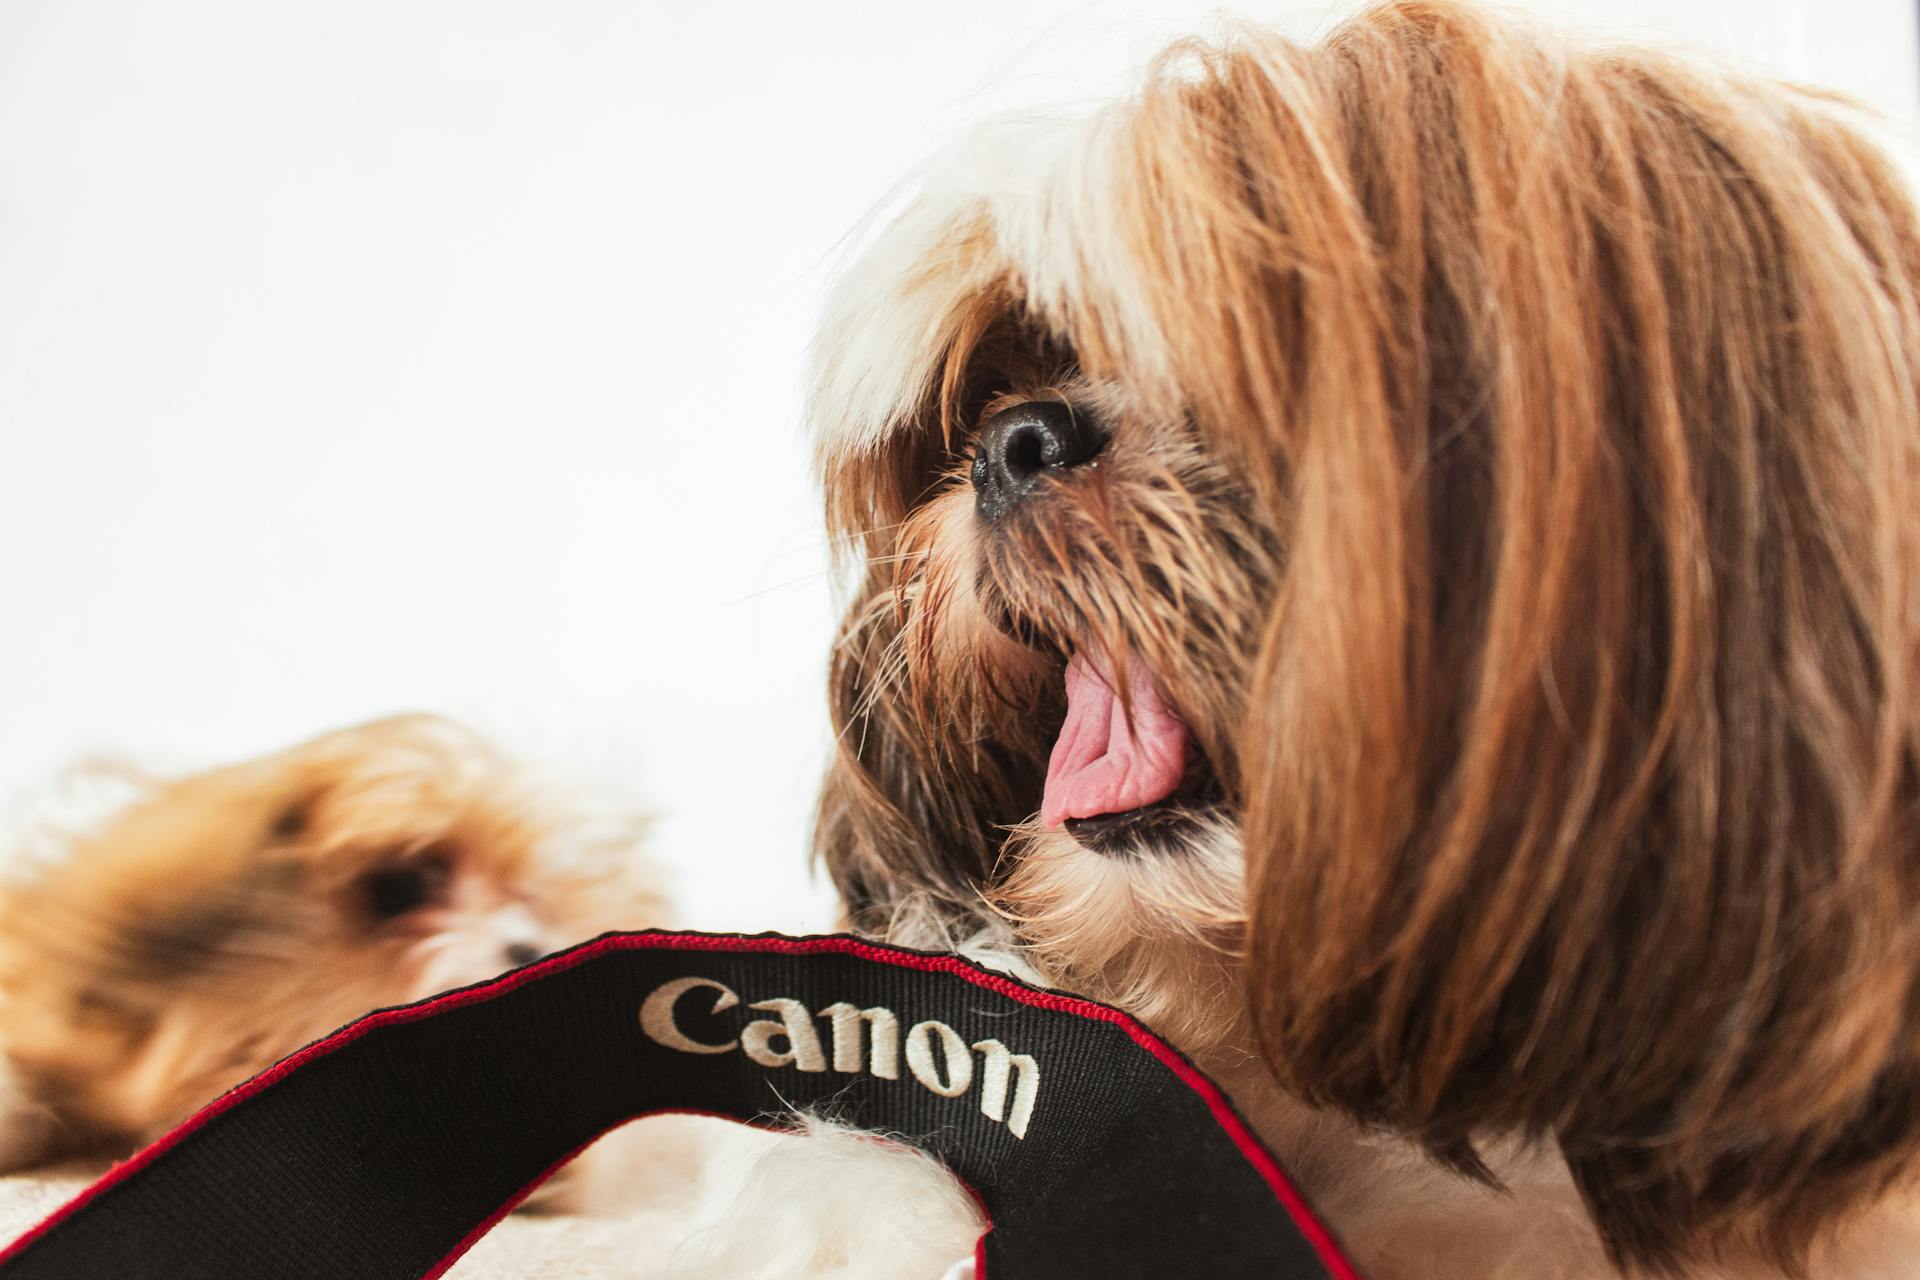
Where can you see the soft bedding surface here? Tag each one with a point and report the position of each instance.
(523, 1247)
(682, 1197)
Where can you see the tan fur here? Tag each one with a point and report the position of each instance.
(1514, 483)
(224, 919)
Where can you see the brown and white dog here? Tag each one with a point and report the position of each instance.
(1398, 560)
(163, 937)
(168, 937)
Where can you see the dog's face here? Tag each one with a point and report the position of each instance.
(1072, 609)
(223, 920)
(1394, 551)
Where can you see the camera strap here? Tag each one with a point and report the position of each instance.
(385, 1150)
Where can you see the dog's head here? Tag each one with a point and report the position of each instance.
(1415, 540)
(220, 921)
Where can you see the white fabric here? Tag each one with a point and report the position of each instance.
(523, 1247)
(833, 1205)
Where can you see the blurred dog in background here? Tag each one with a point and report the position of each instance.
(163, 938)
(189, 931)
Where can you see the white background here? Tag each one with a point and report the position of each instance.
(358, 357)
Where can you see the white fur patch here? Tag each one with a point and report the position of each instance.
(835, 1204)
(1021, 198)
(39, 825)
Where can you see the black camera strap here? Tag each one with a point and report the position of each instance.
(385, 1150)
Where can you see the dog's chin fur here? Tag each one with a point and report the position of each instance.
(164, 937)
(1155, 930)
(1495, 488)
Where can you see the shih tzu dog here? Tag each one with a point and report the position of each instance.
(169, 937)
(1398, 560)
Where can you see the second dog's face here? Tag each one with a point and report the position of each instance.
(223, 920)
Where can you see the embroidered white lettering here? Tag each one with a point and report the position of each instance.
(656, 1015)
(862, 1041)
(996, 1065)
(959, 1061)
(884, 1037)
(795, 1027)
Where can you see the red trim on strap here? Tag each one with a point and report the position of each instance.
(1256, 1153)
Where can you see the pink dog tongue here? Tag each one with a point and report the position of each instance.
(1102, 765)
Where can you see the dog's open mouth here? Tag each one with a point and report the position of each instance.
(1108, 766)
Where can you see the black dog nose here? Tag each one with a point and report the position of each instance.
(1020, 445)
(519, 953)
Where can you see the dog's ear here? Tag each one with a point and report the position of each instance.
(1579, 761)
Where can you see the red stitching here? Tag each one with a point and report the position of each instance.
(1256, 1153)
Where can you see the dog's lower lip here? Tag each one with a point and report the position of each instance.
(1128, 830)
(1101, 832)
(1101, 824)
